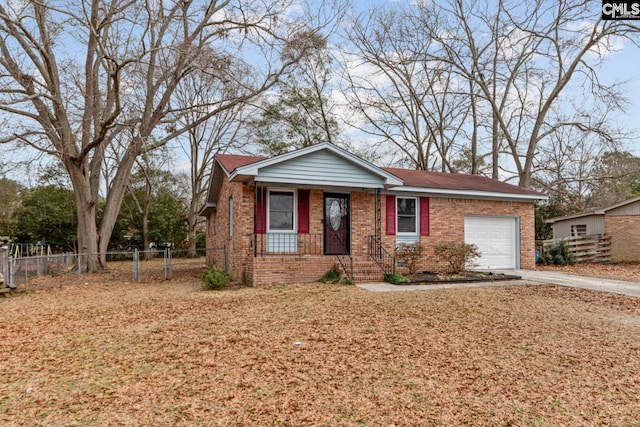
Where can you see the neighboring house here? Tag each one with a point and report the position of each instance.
(620, 222)
(291, 218)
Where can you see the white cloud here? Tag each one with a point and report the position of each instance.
(605, 48)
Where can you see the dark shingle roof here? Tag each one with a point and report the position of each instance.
(411, 178)
(231, 162)
(456, 181)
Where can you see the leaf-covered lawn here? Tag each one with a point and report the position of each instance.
(167, 353)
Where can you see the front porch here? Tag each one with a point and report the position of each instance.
(278, 258)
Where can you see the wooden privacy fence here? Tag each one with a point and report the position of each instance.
(591, 248)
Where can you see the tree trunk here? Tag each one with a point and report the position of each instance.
(86, 211)
(192, 220)
(191, 236)
(146, 241)
(495, 147)
(114, 200)
(474, 132)
(192, 250)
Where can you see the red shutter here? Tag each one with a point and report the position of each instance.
(424, 216)
(303, 211)
(391, 215)
(261, 211)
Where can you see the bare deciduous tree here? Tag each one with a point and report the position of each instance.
(80, 76)
(201, 142)
(615, 177)
(406, 95)
(460, 82)
(300, 111)
(523, 58)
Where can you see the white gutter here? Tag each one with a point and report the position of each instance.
(493, 195)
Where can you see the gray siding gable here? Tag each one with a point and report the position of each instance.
(594, 224)
(626, 209)
(322, 168)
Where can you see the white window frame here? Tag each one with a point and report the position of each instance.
(295, 209)
(417, 223)
(575, 232)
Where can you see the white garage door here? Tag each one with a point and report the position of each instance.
(495, 236)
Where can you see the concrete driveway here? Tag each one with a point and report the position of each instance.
(574, 281)
(529, 277)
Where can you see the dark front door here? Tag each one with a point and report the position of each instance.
(337, 224)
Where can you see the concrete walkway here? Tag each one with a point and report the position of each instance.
(529, 277)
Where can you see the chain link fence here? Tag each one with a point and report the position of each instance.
(163, 264)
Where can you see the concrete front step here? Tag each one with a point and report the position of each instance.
(368, 278)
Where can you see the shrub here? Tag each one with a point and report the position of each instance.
(558, 254)
(330, 276)
(410, 254)
(345, 280)
(456, 255)
(214, 278)
(395, 278)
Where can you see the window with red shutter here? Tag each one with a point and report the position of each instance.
(303, 211)
(424, 216)
(391, 215)
(261, 211)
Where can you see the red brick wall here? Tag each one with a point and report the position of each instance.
(362, 222)
(625, 237)
(271, 270)
(316, 212)
(447, 224)
(218, 229)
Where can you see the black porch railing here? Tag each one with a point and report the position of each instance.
(381, 256)
(287, 244)
(346, 264)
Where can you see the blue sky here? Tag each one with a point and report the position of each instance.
(625, 66)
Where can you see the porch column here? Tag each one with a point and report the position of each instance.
(255, 217)
(378, 216)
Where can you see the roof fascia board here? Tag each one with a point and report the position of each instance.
(219, 163)
(618, 205)
(441, 192)
(317, 184)
(211, 189)
(574, 216)
(209, 206)
(602, 211)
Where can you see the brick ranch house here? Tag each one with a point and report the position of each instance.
(619, 222)
(293, 217)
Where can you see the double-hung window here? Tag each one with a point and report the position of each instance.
(578, 230)
(407, 217)
(406, 214)
(281, 211)
(281, 220)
